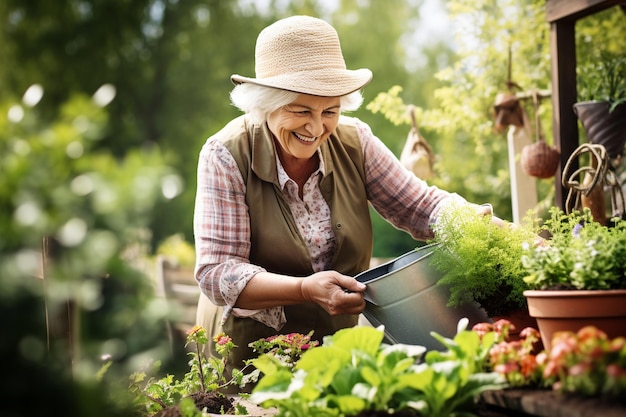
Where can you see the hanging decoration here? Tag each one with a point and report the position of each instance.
(417, 156)
(539, 160)
(507, 108)
(509, 114)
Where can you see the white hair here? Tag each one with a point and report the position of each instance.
(259, 101)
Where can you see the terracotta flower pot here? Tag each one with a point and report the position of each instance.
(570, 310)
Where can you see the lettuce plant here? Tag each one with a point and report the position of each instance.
(354, 372)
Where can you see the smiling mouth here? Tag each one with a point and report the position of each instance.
(305, 138)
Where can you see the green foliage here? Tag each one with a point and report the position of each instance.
(178, 248)
(472, 159)
(171, 62)
(362, 373)
(481, 261)
(603, 79)
(601, 56)
(581, 254)
(287, 348)
(85, 210)
(205, 375)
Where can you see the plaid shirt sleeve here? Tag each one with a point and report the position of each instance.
(400, 197)
(222, 234)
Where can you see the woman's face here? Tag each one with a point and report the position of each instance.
(302, 126)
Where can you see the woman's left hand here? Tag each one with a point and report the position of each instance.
(334, 292)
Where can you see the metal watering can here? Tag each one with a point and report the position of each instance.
(403, 295)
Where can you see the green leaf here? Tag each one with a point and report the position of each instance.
(371, 376)
(348, 404)
(364, 338)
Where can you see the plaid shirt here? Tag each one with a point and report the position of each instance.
(221, 221)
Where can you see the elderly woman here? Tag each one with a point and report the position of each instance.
(282, 220)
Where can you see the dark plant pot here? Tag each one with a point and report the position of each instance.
(602, 127)
(571, 310)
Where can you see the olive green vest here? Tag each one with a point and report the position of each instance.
(276, 242)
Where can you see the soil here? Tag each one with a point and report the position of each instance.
(214, 403)
(399, 413)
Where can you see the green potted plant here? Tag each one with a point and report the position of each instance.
(601, 107)
(582, 262)
(201, 388)
(354, 373)
(481, 261)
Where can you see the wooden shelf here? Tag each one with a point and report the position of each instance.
(546, 403)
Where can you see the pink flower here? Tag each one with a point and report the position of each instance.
(482, 329)
(579, 369)
(615, 371)
(506, 368)
(530, 333)
(591, 333)
(222, 340)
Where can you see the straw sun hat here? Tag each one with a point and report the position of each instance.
(303, 54)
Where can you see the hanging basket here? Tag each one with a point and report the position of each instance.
(603, 127)
(540, 159)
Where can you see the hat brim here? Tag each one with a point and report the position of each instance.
(325, 83)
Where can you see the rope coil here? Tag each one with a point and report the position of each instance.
(600, 172)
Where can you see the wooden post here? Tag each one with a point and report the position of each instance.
(562, 16)
(60, 320)
(523, 186)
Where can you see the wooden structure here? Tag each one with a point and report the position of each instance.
(562, 16)
(526, 402)
(180, 290)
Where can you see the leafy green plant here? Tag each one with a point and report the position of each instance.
(202, 384)
(481, 261)
(581, 254)
(361, 375)
(603, 78)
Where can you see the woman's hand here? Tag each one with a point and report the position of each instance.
(334, 292)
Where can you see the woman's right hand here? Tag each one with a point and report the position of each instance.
(334, 292)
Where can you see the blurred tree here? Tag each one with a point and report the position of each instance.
(170, 63)
(379, 36)
(56, 185)
(472, 156)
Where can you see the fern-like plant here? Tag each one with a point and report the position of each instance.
(481, 261)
